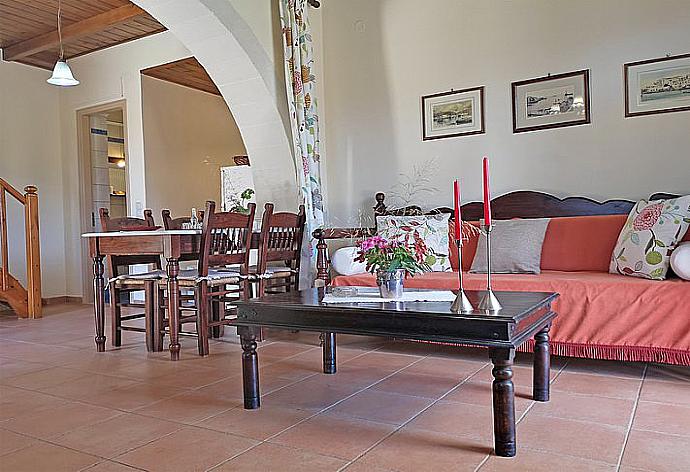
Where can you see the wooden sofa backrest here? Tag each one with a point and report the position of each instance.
(519, 204)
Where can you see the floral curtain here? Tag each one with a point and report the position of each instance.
(304, 120)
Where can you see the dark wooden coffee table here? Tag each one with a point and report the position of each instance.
(524, 314)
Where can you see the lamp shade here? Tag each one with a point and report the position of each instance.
(62, 75)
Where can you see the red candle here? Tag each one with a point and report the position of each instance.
(487, 193)
(458, 219)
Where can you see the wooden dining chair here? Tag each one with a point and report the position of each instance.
(223, 270)
(280, 249)
(178, 223)
(122, 283)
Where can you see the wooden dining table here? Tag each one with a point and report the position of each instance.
(167, 243)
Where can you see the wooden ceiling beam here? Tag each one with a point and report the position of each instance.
(71, 32)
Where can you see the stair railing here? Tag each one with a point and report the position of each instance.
(33, 248)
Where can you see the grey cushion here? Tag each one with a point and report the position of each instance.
(515, 247)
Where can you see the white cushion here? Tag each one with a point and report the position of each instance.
(343, 261)
(680, 260)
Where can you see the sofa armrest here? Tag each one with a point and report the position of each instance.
(323, 262)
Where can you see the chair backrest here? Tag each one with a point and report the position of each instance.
(176, 223)
(226, 239)
(118, 265)
(281, 237)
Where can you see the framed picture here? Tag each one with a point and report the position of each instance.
(454, 113)
(553, 101)
(657, 85)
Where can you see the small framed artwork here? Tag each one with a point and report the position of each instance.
(454, 113)
(657, 85)
(549, 102)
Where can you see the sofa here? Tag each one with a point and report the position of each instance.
(600, 315)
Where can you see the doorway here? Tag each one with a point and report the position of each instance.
(103, 172)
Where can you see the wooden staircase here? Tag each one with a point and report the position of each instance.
(25, 302)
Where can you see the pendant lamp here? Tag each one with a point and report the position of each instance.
(62, 74)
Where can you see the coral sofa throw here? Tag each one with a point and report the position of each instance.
(651, 232)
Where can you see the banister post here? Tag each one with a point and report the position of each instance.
(322, 276)
(33, 252)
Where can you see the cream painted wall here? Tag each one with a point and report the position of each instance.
(30, 155)
(188, 136)
(106, 76)
(382, 56)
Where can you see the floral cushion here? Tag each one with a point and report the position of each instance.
(431, 229)
(650, 234)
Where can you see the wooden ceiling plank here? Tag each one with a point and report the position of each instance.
(71, 32)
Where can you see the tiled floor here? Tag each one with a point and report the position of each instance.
(393, 406)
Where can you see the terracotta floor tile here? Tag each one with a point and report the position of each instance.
(256, 424)
(598, 385)
(666, 392)
(306, 396)
(479, 393)
(45, 380)
(417, 450)
(383, 360)
(669, 373)
(604, 410)
(134, 396)
(381, 406)
(540, 461)
(10, 441)
(663, 418)
(344, 438)
(90, 386)
(522, 376)
(55, 420)
(189, 407)
(233, 388)
(279, 350)
(358, 375)
(460, 419)
(16, 403)
(13, 367)
(110, 466)
(116, 435)
(185, 450)
(363, 467)
(569, 437)
(628, 370)
(268, 457)
(416, 384)
(43, 456)
(286, 370)
(451, 369)
(656, 451)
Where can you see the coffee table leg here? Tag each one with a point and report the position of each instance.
(250, 368)
(504, 401)
(542, 366)
(329, 366)
(99, 302)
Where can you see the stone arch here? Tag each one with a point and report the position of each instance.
(238, 64)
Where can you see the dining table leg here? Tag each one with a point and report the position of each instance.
(99, 302)
(173, 270)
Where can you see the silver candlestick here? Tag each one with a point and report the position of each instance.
(488, 302)
(461, 303)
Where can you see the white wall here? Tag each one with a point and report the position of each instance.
(374, 80)
(188, 136)
(106, 76)
(30, 155)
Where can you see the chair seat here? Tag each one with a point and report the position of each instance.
(273, 272)
(128, 280)
(191, 277)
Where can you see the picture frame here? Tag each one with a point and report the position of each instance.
(452, 114)
(552, 101)
(656, 86)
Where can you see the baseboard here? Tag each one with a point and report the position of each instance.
(62, 300)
